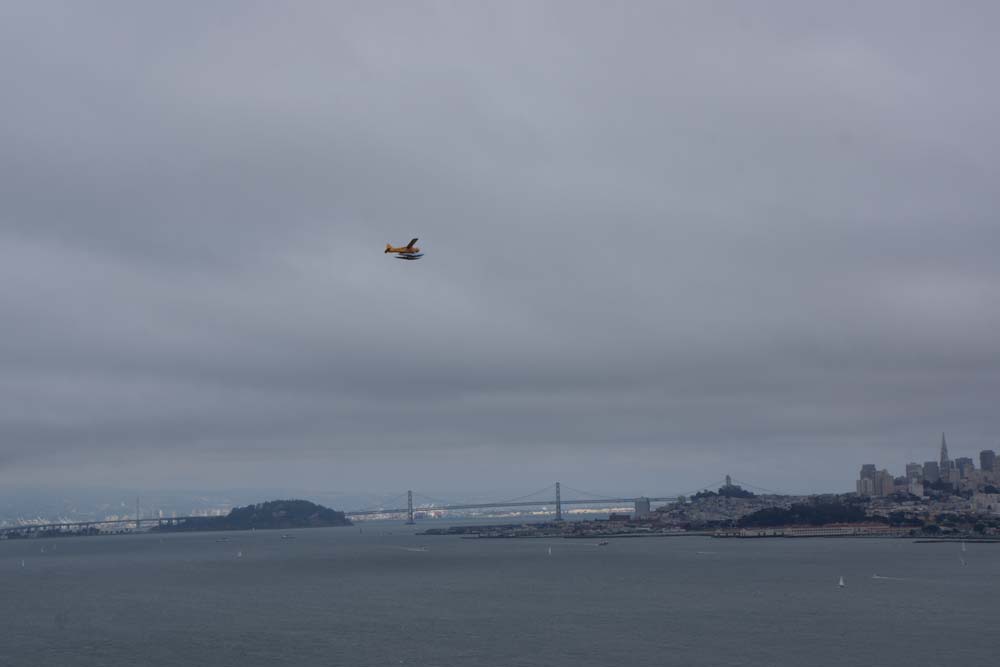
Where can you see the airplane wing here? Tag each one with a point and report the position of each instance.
(410, 244)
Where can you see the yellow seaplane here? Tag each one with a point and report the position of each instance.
(409, 251)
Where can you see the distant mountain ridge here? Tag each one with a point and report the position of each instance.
(273, 514)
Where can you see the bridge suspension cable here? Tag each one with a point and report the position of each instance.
(759, 488)
(385, 504)
(436, 501)
(596, 496)
(706, 487)
(550, 487)
(439, 502)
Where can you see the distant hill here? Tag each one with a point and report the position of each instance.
(273, 514)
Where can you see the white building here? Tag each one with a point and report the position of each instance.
(986, 503)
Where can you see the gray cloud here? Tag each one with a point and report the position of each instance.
(663, 242)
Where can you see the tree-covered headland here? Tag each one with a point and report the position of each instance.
(280, 514)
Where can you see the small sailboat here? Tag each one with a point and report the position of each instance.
(963, 546)
(239, 554)
(550, 551)
(841, 584)
(22, 562)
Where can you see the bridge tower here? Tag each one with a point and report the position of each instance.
(409, 508)
(558, 502)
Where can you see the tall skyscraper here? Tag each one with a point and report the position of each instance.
(885, 484)
(932, 472)
(642, 508)
(914, 471)
(866, 480)
(987, 460)
(965, 466)
(945, 462)
(954, 476)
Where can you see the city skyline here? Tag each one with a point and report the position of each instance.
(960, 473)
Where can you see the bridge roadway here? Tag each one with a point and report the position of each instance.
(528, 503)
(33, 527)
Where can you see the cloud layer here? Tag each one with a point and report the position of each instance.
(663, 242)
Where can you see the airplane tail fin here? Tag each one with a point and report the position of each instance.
(388, 247)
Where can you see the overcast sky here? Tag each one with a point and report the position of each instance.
(664, 241)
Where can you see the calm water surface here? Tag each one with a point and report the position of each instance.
(388, 597)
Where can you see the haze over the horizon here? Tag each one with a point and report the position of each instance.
(664, 241)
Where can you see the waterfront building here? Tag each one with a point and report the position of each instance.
(932, 472)
(833, 530)
(987, 460)
(916, 487)
(914, 471)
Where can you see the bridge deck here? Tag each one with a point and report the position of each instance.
(535, 503)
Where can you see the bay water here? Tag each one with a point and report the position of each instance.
(382, 595)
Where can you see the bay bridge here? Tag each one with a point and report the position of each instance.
(540, 499)
(523, 501)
